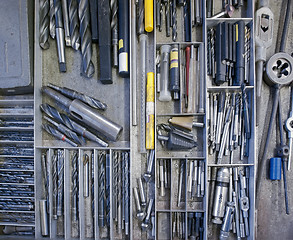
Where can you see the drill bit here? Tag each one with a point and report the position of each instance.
(168, 17)
(54, 185)
(101, 200)
(174, 21)
(44, 24)
(64, 119)
(94, 103)
(126, 189)
(108, 190)
(114, 27)
(52, 20)
(60, 35)
(66, 22)
(45, 173)
(53, 131)
(74, 178)
(88, 68)
(119, 193)
(74, 24)
(86, 177)
(60, 181)
(115, 184)
(140, 20)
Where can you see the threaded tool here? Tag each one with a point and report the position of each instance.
(44, 24)
(114, 27)
(52, 20)
(101, 162)
(74, 24)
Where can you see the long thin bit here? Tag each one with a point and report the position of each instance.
(74, 24)
(44, 24)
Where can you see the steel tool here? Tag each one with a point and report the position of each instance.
(66, 22)
(73, 24)
(44, 24)
(94, 20)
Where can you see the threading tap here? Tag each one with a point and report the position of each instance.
(44, 24)
(74, 24)
(114, 28)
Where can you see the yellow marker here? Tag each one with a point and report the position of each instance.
(149, 15)
(150, 111)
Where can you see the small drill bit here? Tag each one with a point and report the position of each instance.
(126, 189)
(44, 24)
(174, 21)
(60, 181)
(101, 168)
(74, 24)
(140, 16)
(86, 175)
(52, 20)
(94, 103)
(108, 190)
(45, 173)
(74, 178)
(115, 184)
(54, 185)
(114, 27)
(168, 17)
(66, 22)
(88, 68)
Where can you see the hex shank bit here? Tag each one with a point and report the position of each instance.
(44, 24)
(74, 24)
(87, 115)
(64, 119)
(88, 68)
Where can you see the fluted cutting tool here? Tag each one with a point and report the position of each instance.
(88, 68)
(66, 22)
(44, 24)
(114, 27)
(54, 185)
(101, 162)
(74, 178)
(52, 20)
(74, 24)
(60, 181)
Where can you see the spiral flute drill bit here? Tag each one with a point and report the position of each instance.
(45, 173)
(60, 181)
(140, 20)
(168, 17)
(73, 24)
(119, 195)
(101, 189)
(114, 27)
(93, 185)
(54, 185)
(44, 24)
(115, 184)
(174, 21)
(126, 189)
(88, 68)
(74, 179)
(108, 190)
(52, 20)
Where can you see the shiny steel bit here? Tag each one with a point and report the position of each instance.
(140, 17)
(88, 68)
(60, 181)
(74, 178)
(101, 162)
(115, 185)
(126, 189)
(86, 175)
(52, 20)
(114, 27)
(174, 21)
(108, 200)
(54, 185)
(66, 22)
(45, 173)
(74, 24)
(44, 24)
(95, 103)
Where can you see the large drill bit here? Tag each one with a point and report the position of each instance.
(94, 103)
(64, 119)
(108, 190)
(52, 19)
(54, 132)
(74, 24)
(54, 185)
(74, 179)
(115, 185)
(126, 189)
(140, 17)
(88, 68)
(60, 181)
(44, 23)
(114, 27)
(174, 21)
(101, 200)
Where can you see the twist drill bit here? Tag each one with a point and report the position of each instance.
(101, 188)
(174, 21)
(53, 131)
(93, 187)
(108, 190)
(66, 22)
(86, 177)
(94, 103)
(74, 179)
(54, 185)
(52, 20)
(115, 184)
(88, 68)
(168, 17)
(74, 24)
(126, 189)
(64, 119)
(119, 193)
(140, 16)
(44, 23)
(60, 181)
(69, 133)
(46, 179)
(114, 27)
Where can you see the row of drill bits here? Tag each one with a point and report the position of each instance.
(191, 13)
(195, 179)
(229, 53)
(229, 124)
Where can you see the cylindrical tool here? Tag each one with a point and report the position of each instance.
(221, 194)
(240, 53)
(165, 94)
(174, 72)
(185, 122)
(86, 178)
(276, 168)
(44, 218)
(123, 34)
(66, 22)
(44, 24)
(87, 115)
(149, 15)
(150, 111)
(229, 213)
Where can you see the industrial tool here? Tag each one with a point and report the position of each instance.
(174, 71)
(87, 115)
(87, 67)
(289, 128)
(174, 20)
(240, 54)
(60, 182)
(139, 212)
(123, 35)
(165, 94)
(133, 60)
(145, 225)
(228, 11)
(114, 31)
(94, 20)
(105, 54)
(150, 111)
(151, 158)
(44, 218)
(227, 221)
(75, 189)
(101, 194)
(52, 24)
(140, 17)
(66, 22)
(149, 15)
(187, 25)
(86, 173)
(44, 24)
(107, 190)
(180, 183)
(178, 225)
(185, 122)
(73, 24)
(60, 35)
(141, 192)
(167, 17)
(72, 125)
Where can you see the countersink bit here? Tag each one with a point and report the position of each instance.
(101, 200)
(52, 20)
(74, 178)
(44, 24)
(140, 20)
(174, 21)
(60, 181)
(88, 68)
(74, 24)
(114, 28)
(53, 131)
(64, 119)
(60, 36)
(54, 185)
(94, 103)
